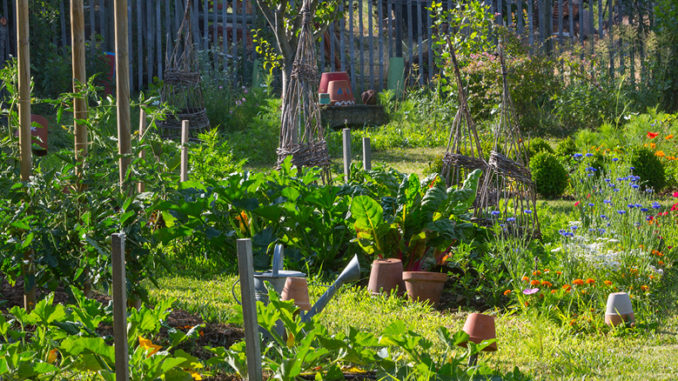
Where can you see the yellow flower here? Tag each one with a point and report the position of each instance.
(660, 154)
(196, 375)
(147, 345)
(52, 356)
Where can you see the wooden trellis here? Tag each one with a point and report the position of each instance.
(301, 131)
(508, 186)
(181, 86)
(464, 153)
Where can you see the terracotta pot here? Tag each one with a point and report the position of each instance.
(619, 309)
(424, 285)
(480, 327)
(340, 93)
(386, 275)
(296, 289)
(38, 134)
(326, 78)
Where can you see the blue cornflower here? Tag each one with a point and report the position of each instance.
(632, 168)
(603, 217)
(648, 190)
(574, 228)
(601, 230)
(614, 159)
(615, 190)
(639, 205)
(592, 229)
(591, 169)
(631, 206)
(637, 224)
(607, 201)
(635, 186)
(589, 174)
(621, 211)
(577, 155)
(655, 205)
(510, 219)
(495, 212)
(589, 154)
(591, 204)
(644, 209)
(527, 211)
(607, 180)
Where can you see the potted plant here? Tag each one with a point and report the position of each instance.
(421, 222)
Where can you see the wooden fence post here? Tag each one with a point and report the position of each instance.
(346, 134)
(249, 309)
(120, 307)
(367, 154)
(122, 86)
(184, 150)
(79, 77)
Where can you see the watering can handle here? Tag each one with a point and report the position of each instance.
(233, 291)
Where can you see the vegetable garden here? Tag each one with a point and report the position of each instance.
(601, 152)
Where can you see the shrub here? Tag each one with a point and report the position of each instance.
(566, 147)
(649, 168)
(548, 174)
(537, 145)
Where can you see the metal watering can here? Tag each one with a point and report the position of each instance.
(277, 277)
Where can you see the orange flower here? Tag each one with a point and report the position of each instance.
(554, 291)
(534, 283)
(661, 263)
(567, 287)
(590, 281)
(583, 291)
(644, 287)
(507, 292)
(525, 278)
(52, 356)
(653, 146)
(559, 273)
(660, 153)
(652, 135)
(536, 273)
(578, 282)
(546, 283)
(660, 254)
(669, 137)
(573, 322)
(608, 282)
(148, 346)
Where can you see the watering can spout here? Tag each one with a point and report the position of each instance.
(350, 274)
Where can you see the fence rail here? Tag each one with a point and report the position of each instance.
(361, 42)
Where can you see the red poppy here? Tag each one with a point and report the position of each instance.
(577, 203)
(675, 194)
(652, 135)
(674, 207)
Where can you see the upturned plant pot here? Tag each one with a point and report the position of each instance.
(385, 276)
(480, 327)
(296, 289)
(326, 78)
(424, 285)
(340, 93)
(619, 309)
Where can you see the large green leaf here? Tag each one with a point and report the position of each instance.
(460, 200)
(367, 213)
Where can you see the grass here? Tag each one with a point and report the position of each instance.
(539, 347)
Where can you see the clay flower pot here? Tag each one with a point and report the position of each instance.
(619, 309)
(326, 78)
(480, 327)
(386, 275)
(424, 285)
(296, 288)
(340, 93)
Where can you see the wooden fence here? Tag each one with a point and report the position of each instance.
(361, 42)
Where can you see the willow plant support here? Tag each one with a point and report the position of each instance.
(464, 153)
(301, 133)
(508, 186)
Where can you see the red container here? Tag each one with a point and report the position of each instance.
(340, 93)
(326, 78)
(480, 327)
(38, 133)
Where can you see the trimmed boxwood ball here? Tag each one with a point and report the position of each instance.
(649, 168)
(548, 174)
(537, 145)
(566, 147)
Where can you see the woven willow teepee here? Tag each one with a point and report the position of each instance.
(463, 154)
(301, 131)
(508, 187)
(181, 85)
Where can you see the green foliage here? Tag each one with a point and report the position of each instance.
(548, 174)
(649, 168)
(537, 145)
(421, 220)
(566, 147)
(665, 70)
(213, 158)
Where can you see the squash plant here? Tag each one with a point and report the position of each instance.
(423, 219)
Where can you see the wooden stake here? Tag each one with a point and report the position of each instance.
(367, 154)
(122, 86)
(141, 187)
(184, 150)
(24, 63)
(249, 309)
(120, 307)
(346, 134)
(79, 77)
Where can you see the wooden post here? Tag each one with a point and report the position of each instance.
(367, 154)
(346, 134)
(24, 63)
(119, 307)
(249, 310)
(184, 150)
(122, 86)
(141, 187)
(79, 77)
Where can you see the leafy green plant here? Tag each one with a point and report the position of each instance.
(549, 176)
(538, 145)
(419, 221)
(649, 168)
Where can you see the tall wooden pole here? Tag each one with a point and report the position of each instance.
(141, 187)
(24, 62)
(120, 307)
(79, 77)
(122, 86)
